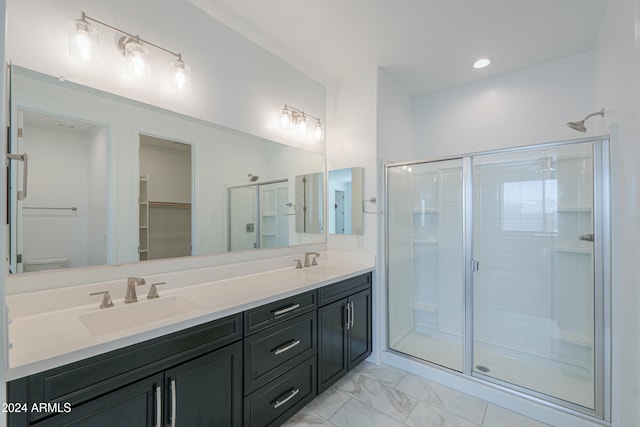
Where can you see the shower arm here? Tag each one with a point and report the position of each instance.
(597, 113)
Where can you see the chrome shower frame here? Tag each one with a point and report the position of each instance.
(602, 279)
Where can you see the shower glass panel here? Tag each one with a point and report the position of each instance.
(425, 261)
(243, 206)
(259, 215)
(274, 223)
(533, 292)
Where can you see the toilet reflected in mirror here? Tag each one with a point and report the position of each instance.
(345, 201)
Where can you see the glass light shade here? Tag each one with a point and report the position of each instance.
(318, 132)
(137, 64)
(83, 39)
(302, 125)
(286, 118)
(181, 76)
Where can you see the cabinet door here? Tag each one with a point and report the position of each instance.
(332, 344)
(206, 391)
(139, 404)
(359, 343)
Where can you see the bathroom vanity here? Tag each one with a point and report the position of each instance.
(256, 363)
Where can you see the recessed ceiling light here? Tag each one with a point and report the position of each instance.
(481, 63)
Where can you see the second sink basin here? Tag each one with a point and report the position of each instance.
(127, 316)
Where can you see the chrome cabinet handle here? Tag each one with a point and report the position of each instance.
(352, 311)
(348, 315)
(291, 393)
(158, 406)
(174, 411)
(286, 347)
(284, 310)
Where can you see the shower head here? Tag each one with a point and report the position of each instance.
(253, 178)
(579, 126)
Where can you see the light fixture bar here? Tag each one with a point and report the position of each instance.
(137, 38)
(300, 112)
(291, 115)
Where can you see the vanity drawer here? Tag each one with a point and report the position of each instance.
(343, 289)
(271, 314)
(278, 400)
(272, 352)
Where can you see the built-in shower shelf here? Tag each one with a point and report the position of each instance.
(268, 234)
(574, 209)
(572, 249)
(425, 211)
(425, 241)
(268, 214)
(431, 308)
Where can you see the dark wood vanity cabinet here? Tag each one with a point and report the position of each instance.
(256, 368)
(344, 328)
(280, 359)
(195, 374)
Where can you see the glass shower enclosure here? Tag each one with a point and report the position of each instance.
(498, 268)
(258, 215)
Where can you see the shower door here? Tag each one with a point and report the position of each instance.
(534, 317)
(426, 262)
(498, 267)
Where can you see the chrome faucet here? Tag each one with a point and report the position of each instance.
(132, 282)
(306, 258)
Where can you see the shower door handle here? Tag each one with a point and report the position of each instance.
(475, 265)
(24, 158)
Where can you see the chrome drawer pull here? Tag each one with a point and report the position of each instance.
(278, 403)
(286, 347)
(280, 311)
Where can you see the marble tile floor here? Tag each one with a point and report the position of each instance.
(384, 396)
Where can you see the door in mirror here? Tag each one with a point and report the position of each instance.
(345, 201)
(51, 227)
(309, 192)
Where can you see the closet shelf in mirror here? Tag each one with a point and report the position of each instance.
(169, 205)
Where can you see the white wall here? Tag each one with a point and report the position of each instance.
(526, 107)
(617, 89)
(97, 197)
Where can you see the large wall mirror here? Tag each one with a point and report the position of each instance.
(110, 181)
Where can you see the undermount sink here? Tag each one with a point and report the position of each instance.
(126, 316)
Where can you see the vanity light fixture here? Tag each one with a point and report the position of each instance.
(83, 39)
(482, 63)
(298, 118)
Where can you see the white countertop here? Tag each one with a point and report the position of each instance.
(43, 339)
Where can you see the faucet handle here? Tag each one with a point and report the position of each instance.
(106, 299)
(153, 292)
(298, 263)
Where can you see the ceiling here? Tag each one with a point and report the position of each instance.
(426, 45)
